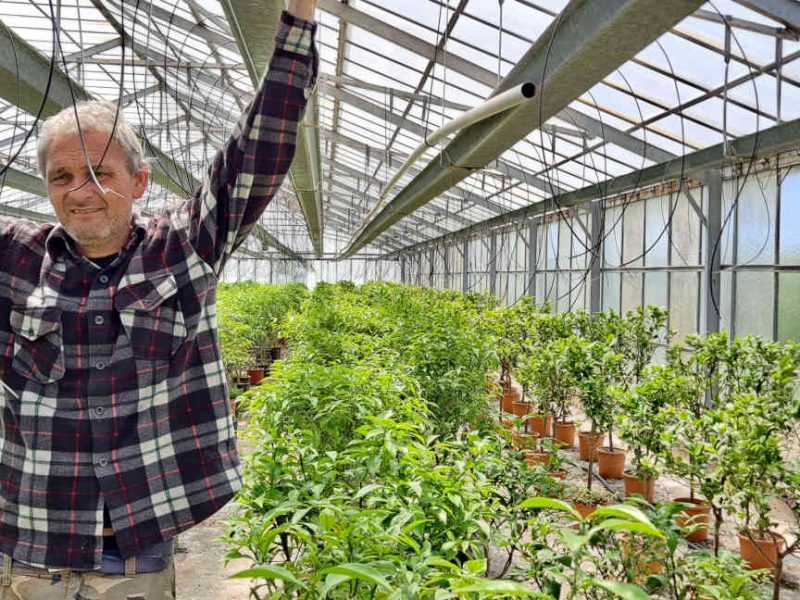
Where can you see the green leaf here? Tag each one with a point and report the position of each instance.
(331, 581)
(475, 567)
(327, 518)
(269, 572)
(574, 541)
(631, 526)
(435, 561)
(551, 503)
(499, 587)
(626, 591)
(359, 571)
(367, 489)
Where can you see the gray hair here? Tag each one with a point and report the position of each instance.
(97, 116)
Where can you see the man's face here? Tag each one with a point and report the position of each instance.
(97, 219)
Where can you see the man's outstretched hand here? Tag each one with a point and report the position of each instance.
(302, 9)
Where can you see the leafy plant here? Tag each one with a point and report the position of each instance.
(644, 415)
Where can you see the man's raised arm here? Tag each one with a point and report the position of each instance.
(248, 171)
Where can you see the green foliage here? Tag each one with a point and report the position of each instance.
(645, 413)
(250, 317)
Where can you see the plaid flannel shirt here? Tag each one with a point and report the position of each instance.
(113, 391)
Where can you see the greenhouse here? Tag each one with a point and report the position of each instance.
(392, 299)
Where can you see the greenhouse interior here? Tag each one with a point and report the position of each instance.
(513, 240)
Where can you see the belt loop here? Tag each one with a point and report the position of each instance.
(130, 566)
(7, 562)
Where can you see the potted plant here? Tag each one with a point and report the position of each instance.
(692, 440)
(546, 374)
(642, 419)
(593, 367)
(584, 500)
(757, 468)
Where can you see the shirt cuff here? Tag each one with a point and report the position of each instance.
(296, 35)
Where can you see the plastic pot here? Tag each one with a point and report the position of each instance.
(760, 552)
(610, 463)
(699, 514)
(646, 488)
(589, 443)
(565, 433)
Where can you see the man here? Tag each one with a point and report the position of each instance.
(116, 432)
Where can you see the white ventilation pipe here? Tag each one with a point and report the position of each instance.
(494, 105)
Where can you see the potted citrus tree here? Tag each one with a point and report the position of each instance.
(642, 419)
(593, 367)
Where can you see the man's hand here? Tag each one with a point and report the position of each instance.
(302, 9)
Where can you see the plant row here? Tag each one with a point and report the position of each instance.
(377, 471)
(721, 414)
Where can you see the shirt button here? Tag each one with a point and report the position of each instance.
(103, 278)
(100, 365)
(99, 320)
(103, 462)
(99, 410)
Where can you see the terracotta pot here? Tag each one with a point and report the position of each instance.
(520, 408)
(534, 458)
(697, 514)
(506, 424)
(510, 396)
(540, 424)
(647, 557)
(610, 463)
(646, 488)
(586, 446)
(256, 375)
(585, 509)
(760, 552)
(524, 440)
(560, 474)
(565, 433)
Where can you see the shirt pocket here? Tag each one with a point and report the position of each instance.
(150, 314)
(38, 343)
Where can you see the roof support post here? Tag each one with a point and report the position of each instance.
(432, 262)
(595, 265)
(713, 251)
(465, 266)
(532, 231)
(493, 263)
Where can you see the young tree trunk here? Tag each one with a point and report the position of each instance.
(591, 457)
(776, 578)
(717, 525)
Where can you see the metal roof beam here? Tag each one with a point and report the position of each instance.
(589, 40)
(381, 113)
(453, 61)
(254, 24)
(81, 55)
(22, 181)
(746, 25)
(174, 20)
(783, 11)
(350, 171)
(396, 159)
(774, 140)
(421, 221)
(421, 99)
